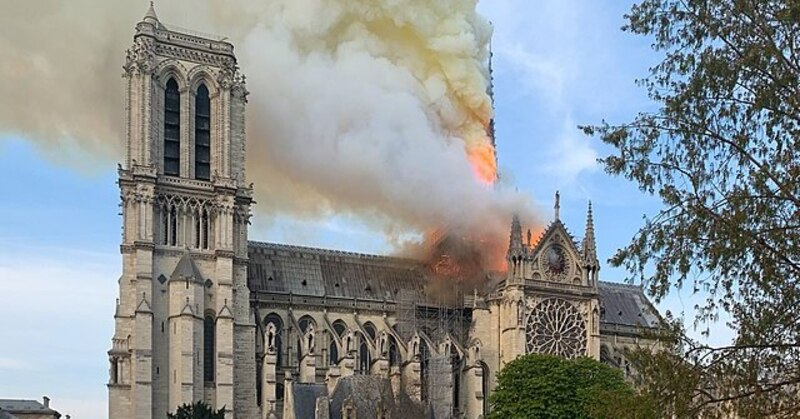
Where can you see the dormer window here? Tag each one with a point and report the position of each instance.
(172, 129)
(202, 134)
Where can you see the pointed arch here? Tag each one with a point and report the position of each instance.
(306, 321)
(202, 74)
(172, 68)
(202, 133)
(333, 353)
(484, 387)
(277, 322)
(172, 128)
(457, 365)
(364, 356)
(424, 368)
(173, 225)
(372, 332)
(339, 327)
(394, 357)
(205, 230)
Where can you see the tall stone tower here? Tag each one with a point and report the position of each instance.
(183, 328)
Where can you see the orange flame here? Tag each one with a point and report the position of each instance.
(483, 161)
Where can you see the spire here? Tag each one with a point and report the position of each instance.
(151, 16)
(589, 244)
(558, 205)
(515, 246)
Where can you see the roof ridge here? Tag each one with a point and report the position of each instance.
(620, 284)
(332, 252)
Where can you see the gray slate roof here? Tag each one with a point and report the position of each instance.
(369, 393)
(186, 269)
(626, 305)
(6, 415)
(24, 406)
(281, 268)
(316, 272)
(305, 398)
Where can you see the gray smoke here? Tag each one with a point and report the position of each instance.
(357, 106)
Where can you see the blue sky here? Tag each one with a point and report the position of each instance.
(557, 64)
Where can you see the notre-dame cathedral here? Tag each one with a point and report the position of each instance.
(278, 331)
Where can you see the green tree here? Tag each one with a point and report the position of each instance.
(722, 152)
(550, 387)
(197, 410)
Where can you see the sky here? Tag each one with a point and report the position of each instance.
(557, 64)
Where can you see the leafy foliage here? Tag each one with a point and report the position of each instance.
(197, 410)
(723, 154)
(550, 387)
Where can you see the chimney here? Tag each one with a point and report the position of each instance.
(46, 402)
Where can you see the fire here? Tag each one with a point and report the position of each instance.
(483, 161)
(465, 256)
(462, 256)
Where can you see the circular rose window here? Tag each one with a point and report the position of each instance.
(556, 327)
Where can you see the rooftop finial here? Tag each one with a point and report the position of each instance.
(558, 204)
(151, 14)
(589, 244)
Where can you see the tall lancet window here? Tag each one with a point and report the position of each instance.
(202, 134)
(208, 348)
(172, 129)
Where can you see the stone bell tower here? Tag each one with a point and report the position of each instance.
(183, 328)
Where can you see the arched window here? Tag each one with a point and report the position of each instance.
(304, 322)
(208, 348)
(164, 225)
(202, 134)
(363, 357)
(278, 323)
(198, 228)
(393, 356)
(172, 129)
(455, 360)
(205, 229)
(173, 226)
(371, 331)
(485, 387)
(339, 327)
(333, 353)
(424, 362)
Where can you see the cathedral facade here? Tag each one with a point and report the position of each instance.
(277, 331)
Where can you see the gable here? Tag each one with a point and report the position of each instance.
(556, 257)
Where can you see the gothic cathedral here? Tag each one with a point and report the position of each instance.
(278, 331)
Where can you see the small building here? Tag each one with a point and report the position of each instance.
(27, 409)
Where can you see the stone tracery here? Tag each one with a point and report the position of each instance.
(556, 327)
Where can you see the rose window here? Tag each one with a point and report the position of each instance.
(556, 327)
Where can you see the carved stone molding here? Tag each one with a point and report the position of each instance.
(140, 57)
(194, 55)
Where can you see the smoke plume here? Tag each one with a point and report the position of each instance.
(373, 108)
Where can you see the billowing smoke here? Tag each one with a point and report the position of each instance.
(377, 109)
